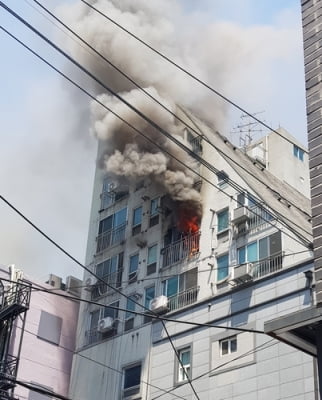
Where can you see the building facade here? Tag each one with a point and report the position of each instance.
(37, 348)
(235, 255)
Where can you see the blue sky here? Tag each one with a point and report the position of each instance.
(47, 155)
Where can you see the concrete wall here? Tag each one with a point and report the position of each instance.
(261, 368)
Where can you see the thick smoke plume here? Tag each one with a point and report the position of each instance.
(210, 52)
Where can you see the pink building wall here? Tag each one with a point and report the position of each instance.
(43, 362)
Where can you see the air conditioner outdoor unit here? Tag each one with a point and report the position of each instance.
(105, 324)
(240, 214)
(243, 273)
(159, 304)
(111, 187)
(90, 282)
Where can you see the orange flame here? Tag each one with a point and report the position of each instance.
(188, 224)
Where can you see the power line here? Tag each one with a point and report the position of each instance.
(253, 351)
(204, 137)
(98, 363)
(156, 126)
(37, 389)
(151, 314)
(159, 53)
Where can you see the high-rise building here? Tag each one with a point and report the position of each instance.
(214, 243)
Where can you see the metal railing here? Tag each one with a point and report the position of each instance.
(110, 238)
(258, 216)
(114, 279)
(183, 298)
(267, 265)
(177, 251)
(92, 336)
(8, 372)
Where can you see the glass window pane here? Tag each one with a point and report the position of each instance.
(132, 377)
(263, 248)
(120, 217)
(152, 254)
(241, 253)
(106, 224)
(222, 220)
(172, 286)
(154, 206)
(224, 347)
(134, 263)
(252, 252)
(113, 264)
(222, 267)
(185, 357)
(130, 305)
(233, 345)
(137, 216)
(149, 295)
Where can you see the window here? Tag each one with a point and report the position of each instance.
(181, 290)
(129, 317)
(149, 294)
(184, 370)
(298, 153)
(223, 179)
(112, 192)
(132, 379)
(152, 259)
(92, 335)
(137, 221)
(246, 199)
(222, 267)
(111, 230)
(110, 271)
(133, 267)
(228, 346)
(112, 313)
(261, 249)
(222, 220)
(154, 212)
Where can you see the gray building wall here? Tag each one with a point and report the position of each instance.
(261, 368)
(312, 35)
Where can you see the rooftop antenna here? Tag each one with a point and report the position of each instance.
(248, 129)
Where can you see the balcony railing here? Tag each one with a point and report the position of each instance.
(110, 238)
(183, 298)
(267, 266)
(113, 280)
(177, 251)
(258, 216)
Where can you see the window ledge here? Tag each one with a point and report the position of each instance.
(223, 232)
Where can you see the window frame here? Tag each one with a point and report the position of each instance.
(222, 179)
(229, 340)
(221, 257)
(132, 276)
(182, 374)
(136, 227)
(129, 317)
(224, 212)
(154, 212)
(298, 152)
(132, 390)
(147, 318)
(151, 267)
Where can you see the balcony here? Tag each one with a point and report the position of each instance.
(110, 238)
(250, 220)
(182, 299)
(267, 266)
(180, 250)
(113, 280)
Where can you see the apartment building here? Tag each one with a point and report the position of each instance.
(235, 257)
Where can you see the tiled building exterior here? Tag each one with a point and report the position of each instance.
(246, 263)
